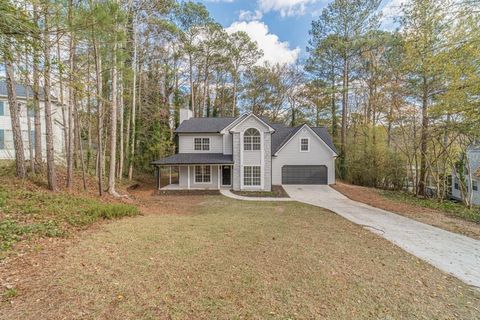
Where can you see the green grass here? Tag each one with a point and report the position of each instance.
(449, 207)
(226, 259)
(28, 211)
(10, 293)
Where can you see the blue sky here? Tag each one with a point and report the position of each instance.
(279, 26)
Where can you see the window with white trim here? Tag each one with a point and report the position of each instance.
(474, 185)
(203, 174)
(251, 139)
(201, 144)
(304, 144)
(251, 175)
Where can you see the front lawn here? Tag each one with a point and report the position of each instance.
(211, 257)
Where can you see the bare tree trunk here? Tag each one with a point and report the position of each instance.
(30, 143)
(99, 99)
(424, 141)
(62, 98)
(192, 94)
(113, 124)
(343, 146)
(134, 96)
(234, 105)
(14, 111)
(29, 124)
(89, 119)
(79, 141)
(70, 103)
(36, 100)
(51, 176)
(121, 142)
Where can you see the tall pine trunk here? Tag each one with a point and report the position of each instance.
(422, 184)
(37, 124)
(113, 123)
(71, 138)
(51, 176)
(99, 98)
(14, 111)
(134, 102)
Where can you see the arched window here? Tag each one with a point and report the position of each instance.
(251, 139)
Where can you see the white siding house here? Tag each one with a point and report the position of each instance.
(248, 153)
(7, 150)
(473, 154)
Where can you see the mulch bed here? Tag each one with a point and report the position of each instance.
(277, 192)
(187, 192)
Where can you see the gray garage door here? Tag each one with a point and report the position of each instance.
(304, 175)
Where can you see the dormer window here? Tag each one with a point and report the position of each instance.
(201, 144)
(251, 139)
(304, 144)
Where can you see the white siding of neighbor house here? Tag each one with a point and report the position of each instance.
(183, 178)
(456, 193)
(6, 125)
(185, 143)
(474, 159)
(319, 154)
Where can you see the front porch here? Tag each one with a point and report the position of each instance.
(194, 177)
(197, 171)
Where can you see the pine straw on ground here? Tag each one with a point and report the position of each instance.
(31, 215)
(373, 197)
(211, 257)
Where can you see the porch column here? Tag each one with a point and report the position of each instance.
(219, 170)
(170, 177)
(188, 177)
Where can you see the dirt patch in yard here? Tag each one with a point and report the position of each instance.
(373, 197)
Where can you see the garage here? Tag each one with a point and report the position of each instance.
(305, 174)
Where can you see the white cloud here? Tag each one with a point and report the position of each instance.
(274, 50)
(246, 15)
(285, 7)
(391, 11)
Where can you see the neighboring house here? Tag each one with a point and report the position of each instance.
(473, 154)
(7, 150)
(248, 153)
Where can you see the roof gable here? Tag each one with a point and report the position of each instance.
(251, 118)
(320, 133)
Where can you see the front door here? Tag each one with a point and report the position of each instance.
(226, 175)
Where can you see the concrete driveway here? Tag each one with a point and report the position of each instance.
(450, 252)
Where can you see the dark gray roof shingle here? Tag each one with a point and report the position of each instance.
(323, 133)
(281, 135)
(204, 125)
(195, 158)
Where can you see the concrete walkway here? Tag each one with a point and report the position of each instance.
(228, 193)
(450, 252)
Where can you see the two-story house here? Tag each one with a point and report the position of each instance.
(248, 153)
(7, 150)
